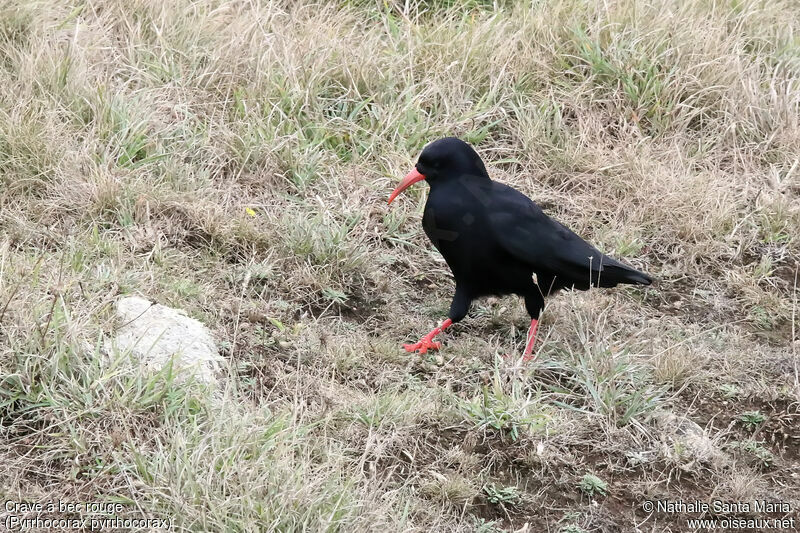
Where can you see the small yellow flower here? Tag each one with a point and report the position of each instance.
(250, 211)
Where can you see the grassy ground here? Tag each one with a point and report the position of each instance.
(233, 158)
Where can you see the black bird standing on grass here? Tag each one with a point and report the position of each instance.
(495, 239)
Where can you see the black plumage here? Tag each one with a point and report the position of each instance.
(495, 239)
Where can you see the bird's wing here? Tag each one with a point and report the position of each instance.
(524, 231)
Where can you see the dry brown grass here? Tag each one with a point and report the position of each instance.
(135, 136)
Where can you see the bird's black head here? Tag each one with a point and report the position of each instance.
(442, 160)
(449, 158)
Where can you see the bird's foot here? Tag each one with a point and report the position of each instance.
(427, 343)
(422, 346)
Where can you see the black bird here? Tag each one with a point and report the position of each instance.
(495, 239)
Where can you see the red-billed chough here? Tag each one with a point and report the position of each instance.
(495, 239)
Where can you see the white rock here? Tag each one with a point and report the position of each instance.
(154, 334)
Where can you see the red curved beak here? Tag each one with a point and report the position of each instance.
(410, 179)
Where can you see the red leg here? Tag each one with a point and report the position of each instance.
(526, 356)
(426, 342)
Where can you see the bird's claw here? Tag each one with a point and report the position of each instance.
(422, 346)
